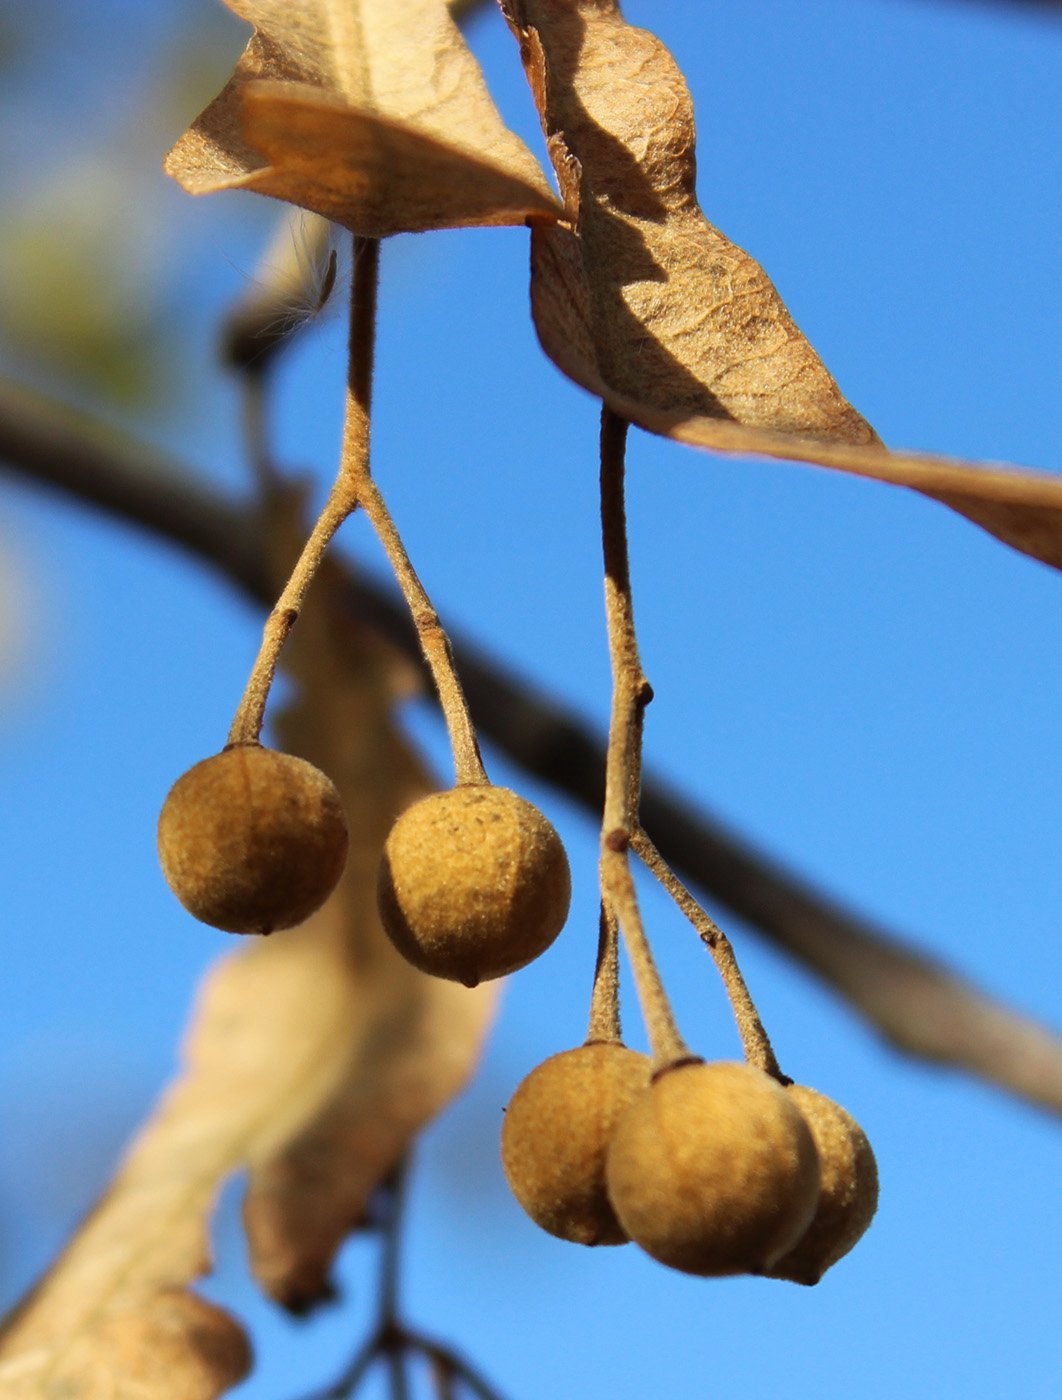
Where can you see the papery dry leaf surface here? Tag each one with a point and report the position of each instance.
(312, 1059)
(643, 302)
(371, 112)
(669, 311)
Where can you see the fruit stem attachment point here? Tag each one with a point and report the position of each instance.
(630, 695)
(754, 1039)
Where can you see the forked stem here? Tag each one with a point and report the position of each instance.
(392, 1343)
(354, 486)
(754, 1039)
(354, 468)
(630, 695)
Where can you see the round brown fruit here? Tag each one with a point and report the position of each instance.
(556, 1133)
(848, 1190)
(252, 840)
(713, 1170)
(473, 884)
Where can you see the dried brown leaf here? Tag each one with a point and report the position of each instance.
(1020, 507)
(372, 113)
(644, 303)
(670, 310)
(312, 1054)
(411, 1059)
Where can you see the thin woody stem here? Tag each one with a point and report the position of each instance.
(354, 469)
(604, 999)
(754, 1039)
(389, 1339)
(442, 1379)
(392, 1343)
(250, 713)
(396, 1369)
(390, 1257)
(454, 1367)
(354, 486)
(630, 695)
(434, 643)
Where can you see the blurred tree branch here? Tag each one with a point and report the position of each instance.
(918, 1005)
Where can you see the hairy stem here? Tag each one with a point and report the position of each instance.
(604, 999)
(754, 1039)
(353, 468)
(630, 695)
(354, 486)
(434, 643)
(433, 640)
(250, 713)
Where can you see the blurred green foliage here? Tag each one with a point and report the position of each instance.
(89, 267)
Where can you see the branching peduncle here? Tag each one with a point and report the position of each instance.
(630, 695)
(754, 1038)
(354, 486)
(342, 499)
(354, 469)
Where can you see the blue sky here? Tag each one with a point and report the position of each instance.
(853, 676)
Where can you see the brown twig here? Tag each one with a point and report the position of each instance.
(621, 827)
(355, 487)
(623, 755)
(351, 484)
(604, 998)
(250, 713)
(754, 1039)
(919, 1006)
(434, 642)
(391, 1341)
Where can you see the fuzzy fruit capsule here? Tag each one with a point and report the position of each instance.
(712, 1170)
(473, 884)
(848, 1190)
(555, 1136)
(252, 840)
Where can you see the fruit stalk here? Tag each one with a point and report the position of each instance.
(604, 999)
(754, 1038)
(354, 470)
(630, 695)
(354, 486)
(247, 722)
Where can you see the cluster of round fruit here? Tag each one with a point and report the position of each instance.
(474, 882)
(713, 1169)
